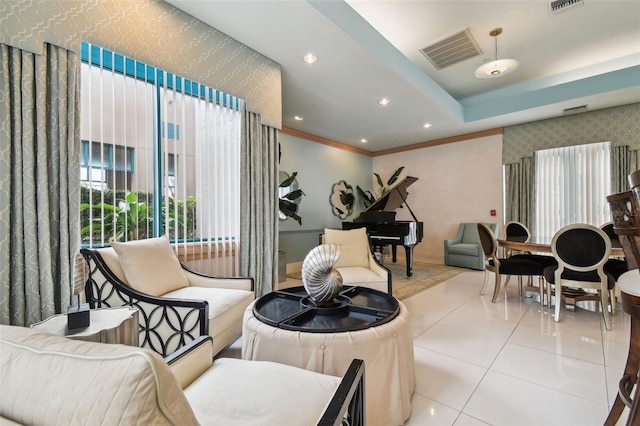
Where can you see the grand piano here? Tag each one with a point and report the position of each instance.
(383, 228)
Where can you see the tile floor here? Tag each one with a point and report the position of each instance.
(509, 363)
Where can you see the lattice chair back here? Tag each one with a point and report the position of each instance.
(165, 325)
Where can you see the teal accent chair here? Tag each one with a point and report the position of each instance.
(465, 250)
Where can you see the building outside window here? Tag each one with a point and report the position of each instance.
(160, 154)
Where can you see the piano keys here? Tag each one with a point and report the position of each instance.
(384, 229)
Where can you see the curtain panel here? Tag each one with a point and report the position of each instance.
(258, 208)
(520, 192)
(39, 192)
(624, 161)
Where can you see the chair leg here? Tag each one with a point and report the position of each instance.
(496, 288)
(612, 302)
(604, 305)
(520, 284)
(541, 284)
(556, 317)
(484, 281)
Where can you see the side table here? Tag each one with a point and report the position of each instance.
(279, 327)
(108, 325)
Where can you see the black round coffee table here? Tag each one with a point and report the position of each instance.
(355, 308)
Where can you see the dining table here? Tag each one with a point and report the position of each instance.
(543, 245)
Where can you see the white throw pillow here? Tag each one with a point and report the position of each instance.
(151, 266)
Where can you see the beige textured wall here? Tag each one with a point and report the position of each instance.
(154, 32)
(619, 125)
(458, 182)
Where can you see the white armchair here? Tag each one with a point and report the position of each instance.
(356, 264)
(97, 383)
(176, 304)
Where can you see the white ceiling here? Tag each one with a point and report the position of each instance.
(588, 54)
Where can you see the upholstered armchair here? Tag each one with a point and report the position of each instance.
(465, 250)
(356, 264)
(176, 305)
(96, 383)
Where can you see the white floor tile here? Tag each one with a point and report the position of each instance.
(569, 375)
(505, 400)
(613, 378)
(466, 420)
(580, 321)
(551, 340)
(615, 353)
(460, 344)
(444, 379)
(425, 412)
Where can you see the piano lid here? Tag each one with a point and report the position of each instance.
(393, 198)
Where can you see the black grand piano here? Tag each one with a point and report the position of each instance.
(383, 228)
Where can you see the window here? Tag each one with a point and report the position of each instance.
(102, 165)
(572, 184)
(160, 154)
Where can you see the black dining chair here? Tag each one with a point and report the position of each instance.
(518, 265)
(515, 231)
(581, 251)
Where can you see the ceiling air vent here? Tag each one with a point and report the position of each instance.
(562, 5)
(574, 110)
(451, 50)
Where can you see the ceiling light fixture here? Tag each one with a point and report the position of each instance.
(497, 67)
(310, 58)
(427, 125)
(364, 140)
(298, 118)
(384, 101)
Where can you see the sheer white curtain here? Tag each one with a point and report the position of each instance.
(161, 156)
(218, 132)
(572, 184)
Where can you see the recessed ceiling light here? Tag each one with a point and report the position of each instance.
(364, 140)
(384, 101)
(427, 125)
(310, 58)
(297, 117)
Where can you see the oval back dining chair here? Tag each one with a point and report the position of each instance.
(515, 265)
(581, 251)
(515, 231)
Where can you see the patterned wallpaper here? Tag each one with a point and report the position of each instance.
(154, 32)
(619, 125)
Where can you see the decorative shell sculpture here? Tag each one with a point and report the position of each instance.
(322, 282)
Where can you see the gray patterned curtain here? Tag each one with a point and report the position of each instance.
(623, 162)
(39, 182)
(258, 207)
(520, 192)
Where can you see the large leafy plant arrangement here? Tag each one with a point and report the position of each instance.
(369, 197)
(287, 203)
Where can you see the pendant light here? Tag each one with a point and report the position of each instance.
(497, 67)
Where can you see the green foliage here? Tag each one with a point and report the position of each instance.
(286, 203)
(124, 216)
(347, 199)
(369, 198)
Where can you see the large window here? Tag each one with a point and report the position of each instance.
(160, 154)
(572, 184)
